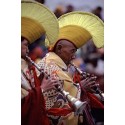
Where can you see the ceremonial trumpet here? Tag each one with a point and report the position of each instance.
(77, 105)
(33, 63)
(85, 75)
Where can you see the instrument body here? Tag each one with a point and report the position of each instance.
(84, 75)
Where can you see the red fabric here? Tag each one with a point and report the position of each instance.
(59, 111)
(33, 109)
(76, 78)
(36, 79)
(88, 118)
(94, 102)
(33, 57)
(36, 53)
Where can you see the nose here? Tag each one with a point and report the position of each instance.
(74, 56)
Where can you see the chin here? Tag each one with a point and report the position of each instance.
(23, 56)
(67, 63)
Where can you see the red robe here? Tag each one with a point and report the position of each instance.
(33, 108)
(94, 103)
(93, 100)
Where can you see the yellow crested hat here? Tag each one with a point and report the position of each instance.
(80, 27)
(37, 20)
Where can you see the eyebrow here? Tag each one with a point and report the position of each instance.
(73, 49)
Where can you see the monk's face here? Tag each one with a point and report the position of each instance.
(24, 48)
(67, 51)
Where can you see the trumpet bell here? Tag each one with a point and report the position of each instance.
(77, 105)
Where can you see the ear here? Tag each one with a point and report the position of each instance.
(59, 47)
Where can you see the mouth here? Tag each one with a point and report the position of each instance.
(27, 51)
(70, 61)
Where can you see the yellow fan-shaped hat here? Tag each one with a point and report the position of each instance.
(80, 27)
(37, 20)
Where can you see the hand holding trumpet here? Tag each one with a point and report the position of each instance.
(88, 83)
(49, 83)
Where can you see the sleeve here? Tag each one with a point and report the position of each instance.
(33, 108)
(68, 83)
(50, 67)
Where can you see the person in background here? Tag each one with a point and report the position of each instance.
(69, 8)
(41, 1)
(59, 11)
(97, 11)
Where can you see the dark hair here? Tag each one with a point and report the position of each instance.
(99, 8)
(36, 43)
(22, 38)
(40, 1)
